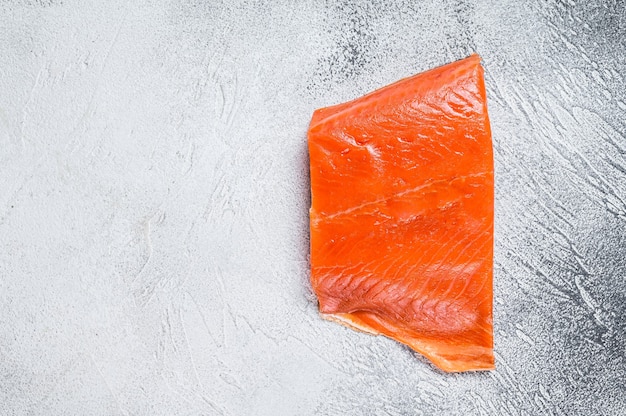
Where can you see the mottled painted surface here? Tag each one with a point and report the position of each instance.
(154, 197)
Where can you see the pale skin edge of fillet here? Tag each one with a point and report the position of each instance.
(422, 348)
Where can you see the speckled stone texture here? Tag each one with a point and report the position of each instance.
(154, 198)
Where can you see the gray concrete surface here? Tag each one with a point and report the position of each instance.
(154, 196)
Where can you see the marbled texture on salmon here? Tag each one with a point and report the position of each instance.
(402, 214)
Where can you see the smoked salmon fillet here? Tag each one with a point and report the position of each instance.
(401, 217)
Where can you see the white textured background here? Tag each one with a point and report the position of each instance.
(154, 197)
